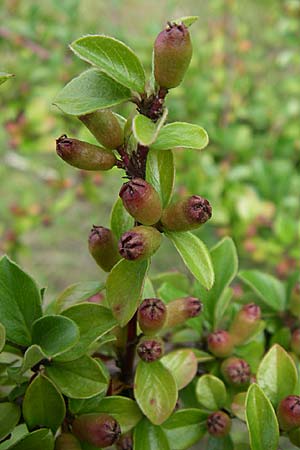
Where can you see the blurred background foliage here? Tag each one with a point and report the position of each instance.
(243, 86)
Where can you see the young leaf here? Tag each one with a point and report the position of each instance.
(211, 392)
(187, 21)
(37, 440)
(269, 289)
(183, 366)
(185, 428)
(76, 293)
(55, 334)
(82, 378)
(160, 172)
(2, 336)
(120, 220)
(261, 420)
(124, 288)
(113, 57)
(144, 130)
(149, 437)
(93, 321)
(20, 302)
(4, 77)
(155, 391)
(195, 256)
(181, 134)
(90, 91)
(43, 404)
(9, 417)
(277, 374)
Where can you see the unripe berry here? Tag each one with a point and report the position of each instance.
(141, 201)
(245, 322)
(236, 371)
(294, 436)
(186, 214)
(218, 424)
(103, 247)
(288, 413)
(172, 55)
(105, 127)
(66, 441)
(220, 343)
(100, 430)
(83, 155)
(181, 309)
(139, 243)
(150, 349)
(152, 315)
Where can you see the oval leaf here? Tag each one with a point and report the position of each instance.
(195, 256)
(90, 91)
(9, 417)
(120, 220)
(20, 302)
(149, 437)
(113, 57)
(211, 392)
(160, 172)
(144, 129)
(2, 336)
(277, 374)
(37, 440)
(155, 391)
(43, 405)
(261, 420)
(124, 288)
(82, 378)
(76, 293)
(55, 334)
(181, 134)
(182, 364)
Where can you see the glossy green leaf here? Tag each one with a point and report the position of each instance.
(55, 334)
(270, 290)
(181, 135)
(211, 392)
(187, 20)
(120, 220)
(9, 417)
(185, 428)
(43, 404)
(4, 77)
(82, 378)
(195, 256)
(261, 420)
(20, 302)
(124, 288)
(160, 172)
(155, 391)
(113, 57)
(37, 440)
(148, 436)
(32, 356)
(16, 435)
(182, 364)
(85, 405)
(2, 336)
(277, 374)
(76, 293)
(90, 91)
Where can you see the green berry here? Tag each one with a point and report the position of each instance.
(103, 247)
(106, 128)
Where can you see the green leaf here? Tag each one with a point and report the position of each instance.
(185, 428)
(225, 264)
(211, 392)
(187, 20)
(113, 57)
(160, 172)
(2, 336)
(202, 356)
(9, 417)
(77, 293)
(90, 91)
(32, 356)
(93, 321)
(277, 374)
(120, 220)
(19, 432)
(155, 391)
(55, 334)
(238, 405)
(43, 404)
(183, 366)
(261, 420)
(124, 288)
(144, 130)
(20, 302)
(217, 443)
(195, 256)
(182, 135)
(270, 290)
(82, 378)
(86, 405)
(149, 437)
(4, 77)
(37, 440)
